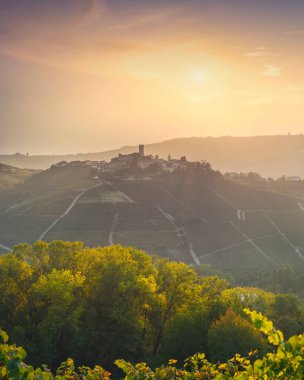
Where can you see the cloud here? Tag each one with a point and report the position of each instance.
(143, 19)
(258, 54)
(295, 32)
(47, 31)
(271, 71)
(77, 38)
(261, 51)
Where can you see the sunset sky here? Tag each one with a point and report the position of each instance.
(90, 75)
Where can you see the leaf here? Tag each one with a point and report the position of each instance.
(4, 336)
(3, 372)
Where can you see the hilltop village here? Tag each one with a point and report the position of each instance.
(139, 166)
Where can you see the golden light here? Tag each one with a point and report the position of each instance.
(198, 76)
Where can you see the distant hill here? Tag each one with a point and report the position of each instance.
(11, 176)
(267, 155)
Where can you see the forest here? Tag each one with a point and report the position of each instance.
(62, 300)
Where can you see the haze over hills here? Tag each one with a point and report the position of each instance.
(268, 155)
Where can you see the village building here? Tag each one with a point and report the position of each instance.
(133, 166)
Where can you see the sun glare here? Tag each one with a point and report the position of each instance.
(198, 76)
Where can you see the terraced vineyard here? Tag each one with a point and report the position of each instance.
(232, 227)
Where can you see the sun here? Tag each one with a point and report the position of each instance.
(198, 76)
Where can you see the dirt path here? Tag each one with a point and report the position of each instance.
(126, 197)
(171, 219)
(113, 226)
(67, 211)
(181, 203)
(253, 243)
(237, 245)
(240, 214)
(5, 247)
(296, 249)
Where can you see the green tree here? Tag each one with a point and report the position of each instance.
(185, 336)
(119, 289)
(212, 288)
(178, 290)
(56, 307)
(231, 335)
(15, 283)
(288, 314)
(254, 298)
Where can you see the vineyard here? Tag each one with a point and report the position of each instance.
(232, 227)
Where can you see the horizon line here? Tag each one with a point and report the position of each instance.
(27, 154)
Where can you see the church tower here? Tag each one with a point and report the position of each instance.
(141, 150)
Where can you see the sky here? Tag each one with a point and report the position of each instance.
(91, 75)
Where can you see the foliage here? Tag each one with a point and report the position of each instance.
(288, 313)
(233, 334)
(286, 361)
(12, 367)
(186, 335)
(253, 298)
(61, 299)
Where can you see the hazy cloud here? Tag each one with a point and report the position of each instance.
(295, 32)
(261, 51)
(272, 71)
(141, 19)
(84, 35)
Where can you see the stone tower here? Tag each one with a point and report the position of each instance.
(141, 150)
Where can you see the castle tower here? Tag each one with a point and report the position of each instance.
(141, 150)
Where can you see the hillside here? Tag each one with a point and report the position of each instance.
(267, 155)
(237, 229)
(11, 176)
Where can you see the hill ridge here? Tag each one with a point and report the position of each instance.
(268, 155)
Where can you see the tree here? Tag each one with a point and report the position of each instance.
(254, 298)
(119, 289)
(284, 363)
(212, 289)
(61, 299)
(231, 335)
(185, 336)
(56, 309)
(15, 283)
(288, 314)
(178, 290)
